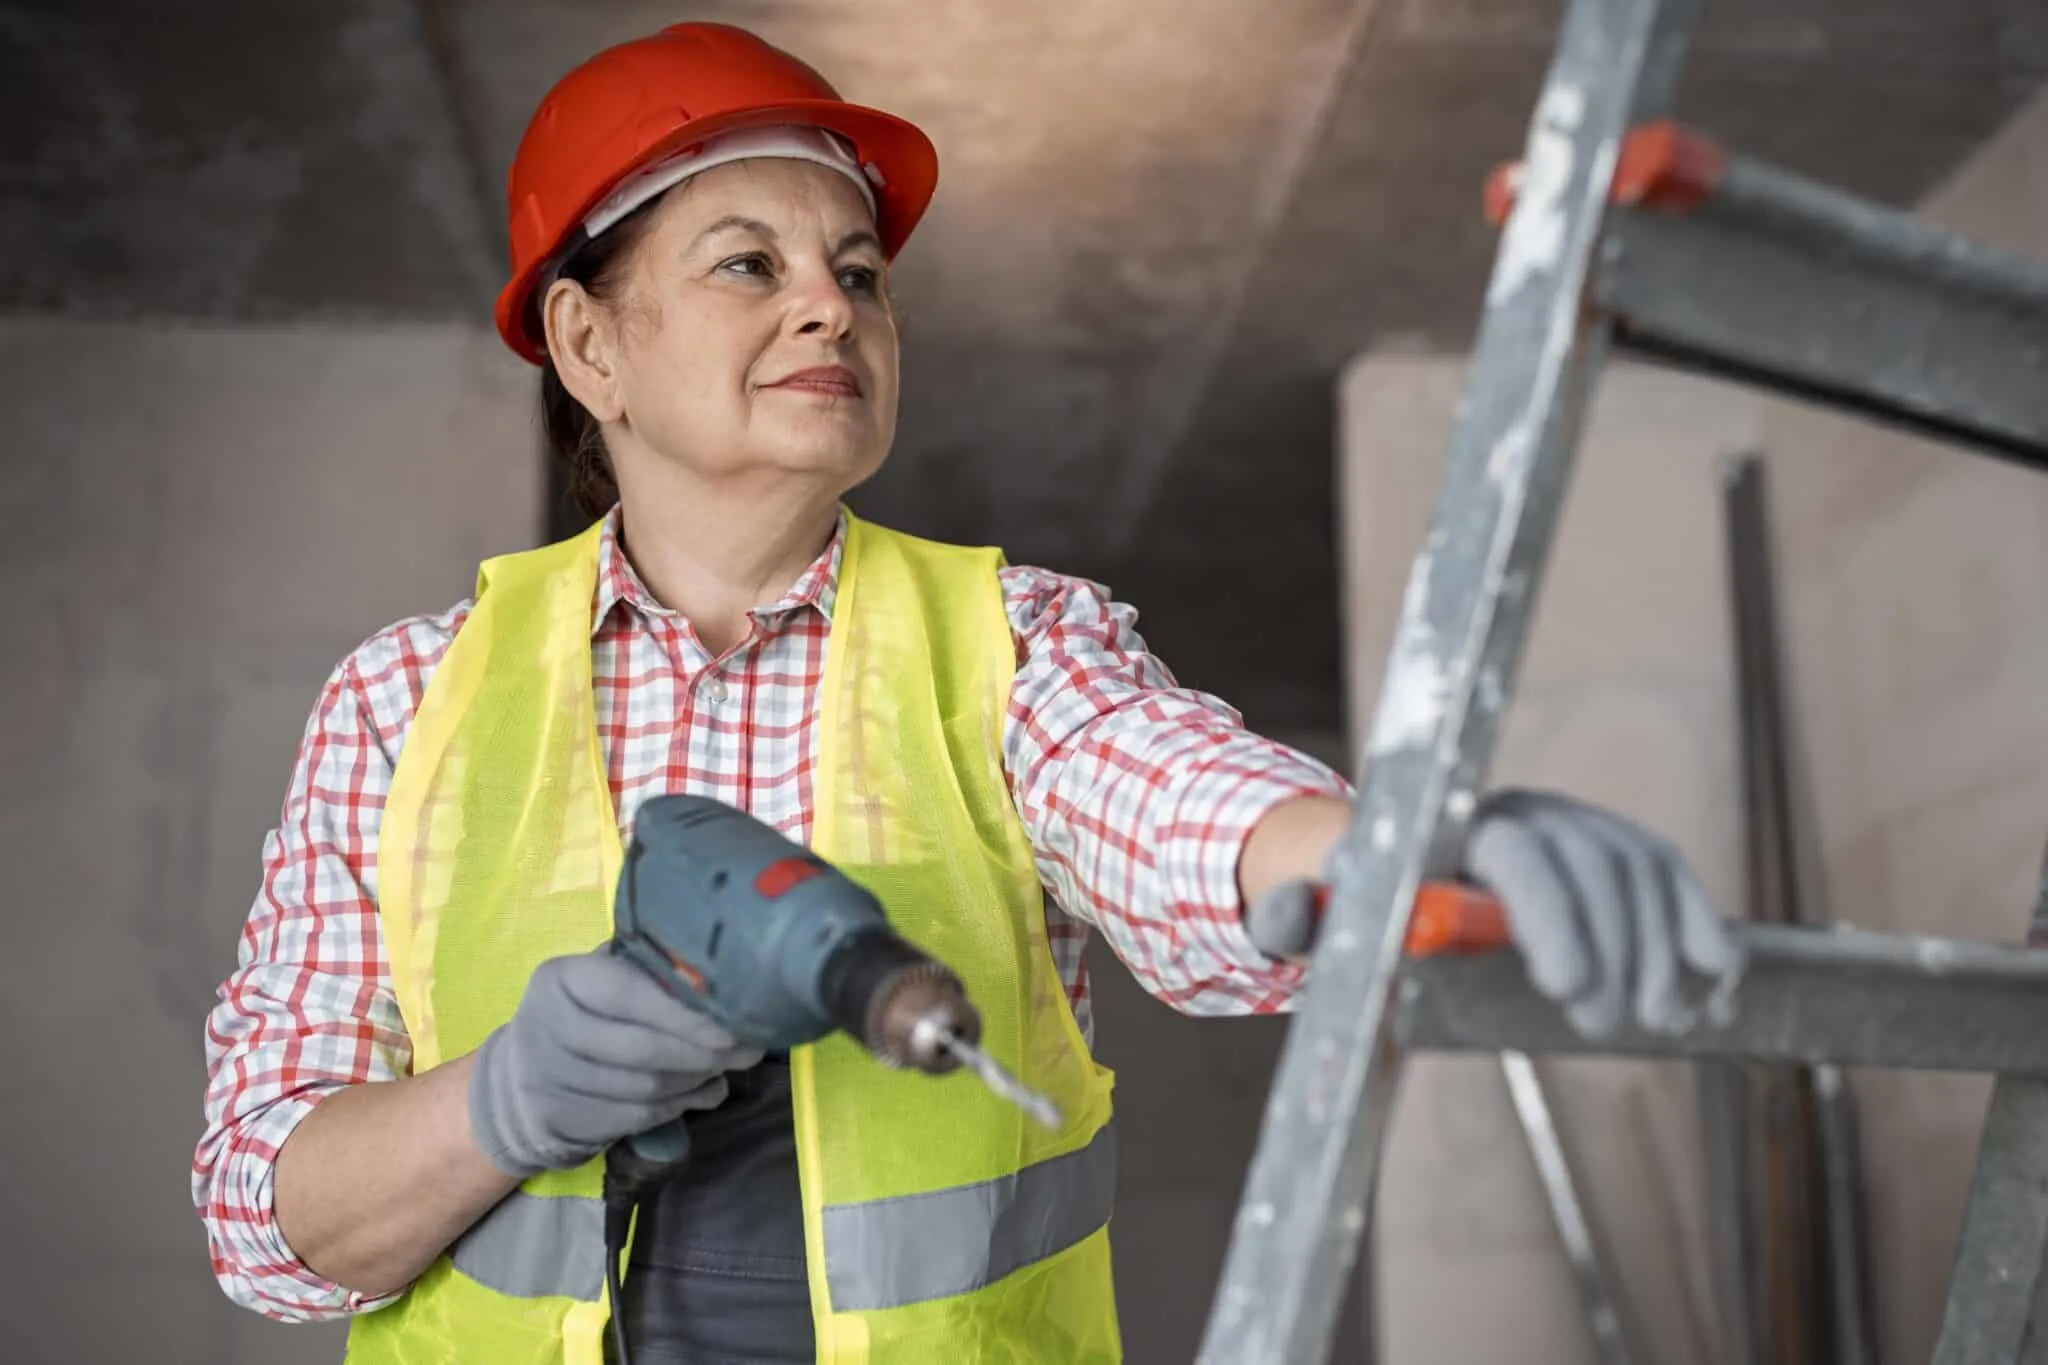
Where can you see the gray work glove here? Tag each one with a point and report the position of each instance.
(597, 1051)
(1609, 918)
(1610, 921)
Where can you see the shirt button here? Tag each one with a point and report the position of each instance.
(715, 690)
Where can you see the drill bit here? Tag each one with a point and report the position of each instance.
(1002, 1082)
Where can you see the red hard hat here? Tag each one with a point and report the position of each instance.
(644, 101)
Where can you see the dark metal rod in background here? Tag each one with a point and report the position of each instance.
(1814, 1286)
(1780, 1129)
(1721, 1095)
(1846, 1228)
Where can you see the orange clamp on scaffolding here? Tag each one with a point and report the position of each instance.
(1662, 166)
(1452, 917)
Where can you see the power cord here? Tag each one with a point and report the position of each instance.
(627, 1177)
(619, 1201)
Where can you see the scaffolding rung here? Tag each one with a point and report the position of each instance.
(1807, 995)
(1745, 270)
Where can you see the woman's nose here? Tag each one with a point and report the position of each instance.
(822, 308)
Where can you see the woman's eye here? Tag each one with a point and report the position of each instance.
(860, 280)
(754, 265)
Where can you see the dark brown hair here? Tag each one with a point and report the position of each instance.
(573, 435)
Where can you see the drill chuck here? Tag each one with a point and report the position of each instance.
(900, 1005)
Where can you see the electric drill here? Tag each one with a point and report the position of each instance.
(781, 948)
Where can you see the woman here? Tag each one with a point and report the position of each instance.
(423, 1054)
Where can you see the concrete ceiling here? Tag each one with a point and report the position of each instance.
(1163, 224)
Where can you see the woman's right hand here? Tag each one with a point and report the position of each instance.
(597, 1051)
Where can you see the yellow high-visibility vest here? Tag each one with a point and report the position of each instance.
(941, 1226)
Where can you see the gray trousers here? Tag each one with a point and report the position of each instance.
(716, 1275)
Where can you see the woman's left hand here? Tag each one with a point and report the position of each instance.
(1611, 922)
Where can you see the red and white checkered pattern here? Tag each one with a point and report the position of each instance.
(1138, 796)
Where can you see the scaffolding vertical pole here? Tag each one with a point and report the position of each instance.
(1812, 1250)
(1992, 1313)
(1308, 1197)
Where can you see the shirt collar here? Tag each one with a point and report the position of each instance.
(619, 582)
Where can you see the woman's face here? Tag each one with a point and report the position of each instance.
(754, 333)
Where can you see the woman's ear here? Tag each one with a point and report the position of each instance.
(582, 338)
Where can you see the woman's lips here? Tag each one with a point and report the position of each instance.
(834, 380)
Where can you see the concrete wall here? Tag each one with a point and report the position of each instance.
(199, 524)
(1912, 581)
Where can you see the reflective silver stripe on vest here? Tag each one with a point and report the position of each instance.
(919, 1247)
(534, 1246)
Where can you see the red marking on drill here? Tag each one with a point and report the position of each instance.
(778, 877)
(687, 972)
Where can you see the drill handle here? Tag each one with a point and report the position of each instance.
(636, 1164)
(665, 1146)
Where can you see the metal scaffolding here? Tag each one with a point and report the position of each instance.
(1622, 229)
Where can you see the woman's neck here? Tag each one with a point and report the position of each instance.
(715, 553)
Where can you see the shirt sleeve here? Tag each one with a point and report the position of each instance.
(1139, 794)
(309, 1008)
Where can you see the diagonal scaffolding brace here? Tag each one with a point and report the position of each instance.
(1308, 1196)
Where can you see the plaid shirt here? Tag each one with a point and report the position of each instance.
(1137, 795)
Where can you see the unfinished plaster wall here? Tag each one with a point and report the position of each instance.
(201, 522)
(1919, 659)
(1914, 576)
